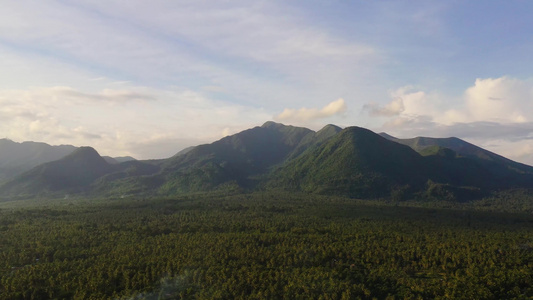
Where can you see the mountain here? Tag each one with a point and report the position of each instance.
(236, 162)
(353, 161)
(73, 173)
(357, 162)
(117, 160)
(130, 177)
(121, 159)
(17, 158)
(85, 171)
(314, 139)
(502, 168)
(184, 151)
(232, 161)
(110, 160)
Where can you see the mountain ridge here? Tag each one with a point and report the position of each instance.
(465, 149)
(71, 173)
(17, 158)
(353, 161)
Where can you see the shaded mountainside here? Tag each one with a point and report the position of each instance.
(17, 158)
(76, 172)
(130, 177)
(117, 160)
(315, 139)
(462, 148)
(504, 170)
(353, 162)
(233, 160)
(71, 173)
(234, 163)
(184, 151)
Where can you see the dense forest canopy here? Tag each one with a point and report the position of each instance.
(264, 245)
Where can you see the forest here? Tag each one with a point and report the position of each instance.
(264, 246)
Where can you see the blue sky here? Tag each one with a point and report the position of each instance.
(148, 78)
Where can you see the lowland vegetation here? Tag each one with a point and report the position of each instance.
(266, 246)
(273, 212)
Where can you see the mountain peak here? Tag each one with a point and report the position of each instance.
(6, 140)
(358, 131)
(87, 154)
(329, 130)
(332, 125)
(84, 150)
(17, 158)
(353, 161)
(72, 172)
(272, 124)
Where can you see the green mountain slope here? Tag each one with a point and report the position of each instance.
(359, 163)
(117, 160)
(314, 139)
(130, 177)
(233, 161)
(75, 172)
(17, 158)
(505, 171)
(355, 162)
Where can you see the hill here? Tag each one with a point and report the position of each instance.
(233, 161)
(354, 162)
(17, 158)
(73, 173)
(503, 169)
(117, 160)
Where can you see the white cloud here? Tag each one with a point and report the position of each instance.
(257, 52)
(262, 31)
(123, 72)
(493, 112)
(501, 100)
(106, 95)
(116, 122)
(306, 114)
(406, 103)
(394, 108)
(208, 67)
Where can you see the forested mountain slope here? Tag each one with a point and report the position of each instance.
(505, 171)
(353, 162)
(69, 174)
(16, 158)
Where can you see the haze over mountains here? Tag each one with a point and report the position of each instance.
(17, 158)
(353, 162)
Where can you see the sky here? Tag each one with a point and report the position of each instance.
(149, 78)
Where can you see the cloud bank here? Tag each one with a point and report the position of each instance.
(111, 73)
(305, 114)
(496, 113)
(137, 121)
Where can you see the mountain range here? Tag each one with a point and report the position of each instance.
(17, 158)
(353, 161)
